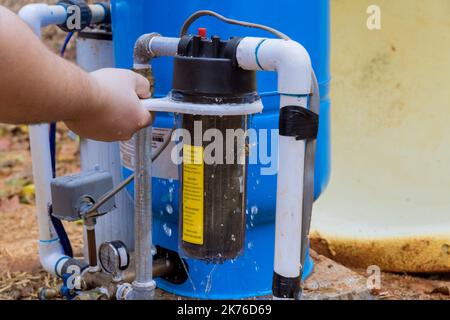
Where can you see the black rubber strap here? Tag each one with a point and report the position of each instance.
(286, 288)
(298, 122)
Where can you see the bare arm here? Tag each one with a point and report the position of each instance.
(39, 86)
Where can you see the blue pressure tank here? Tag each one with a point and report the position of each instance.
(305, 21)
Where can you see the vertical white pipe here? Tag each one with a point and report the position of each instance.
(288, 230)
(42, 175)
(292, 63)
(51, 252)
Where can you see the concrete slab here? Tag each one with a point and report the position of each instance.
(333, 281)
(330, 281)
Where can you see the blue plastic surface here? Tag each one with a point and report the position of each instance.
(306, 22)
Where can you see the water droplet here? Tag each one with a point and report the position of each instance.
(250, 245)
(171, 194)
(169, 208)
(233, 237)
(167, 230)
(254, 210)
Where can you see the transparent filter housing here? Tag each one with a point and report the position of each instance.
(213, 190)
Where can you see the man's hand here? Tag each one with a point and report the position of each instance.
(117, 113)
(37, 86)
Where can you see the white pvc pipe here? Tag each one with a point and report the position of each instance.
(40, 15)
(163, 46)
(288, 58)
(292, 63)
(51, 253)
(289, 204)
(98, 13)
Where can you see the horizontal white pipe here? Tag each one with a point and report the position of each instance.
(164, 46)
(292, 63)
(40, 15)
(50, 248)
(98, 13)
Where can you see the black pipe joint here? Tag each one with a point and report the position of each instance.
(286, 288)
(79, 15)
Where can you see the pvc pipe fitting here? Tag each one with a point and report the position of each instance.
(292, 63)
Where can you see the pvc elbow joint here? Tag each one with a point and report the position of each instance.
(288, 58)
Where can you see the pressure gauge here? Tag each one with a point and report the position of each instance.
(114, 257)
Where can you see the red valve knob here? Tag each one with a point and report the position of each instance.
(202, 32)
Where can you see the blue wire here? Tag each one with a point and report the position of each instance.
(66, 43)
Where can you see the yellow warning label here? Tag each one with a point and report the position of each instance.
(193, 189)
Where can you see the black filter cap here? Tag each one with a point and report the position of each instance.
(85, 15)
(206, 71)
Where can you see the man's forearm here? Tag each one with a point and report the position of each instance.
(29, 71)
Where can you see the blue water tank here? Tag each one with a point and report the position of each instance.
(305, 21)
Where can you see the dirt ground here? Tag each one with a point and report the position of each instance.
(20, 272)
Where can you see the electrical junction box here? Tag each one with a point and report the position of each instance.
(69, 193)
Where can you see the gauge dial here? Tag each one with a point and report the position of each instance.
(114, 257)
